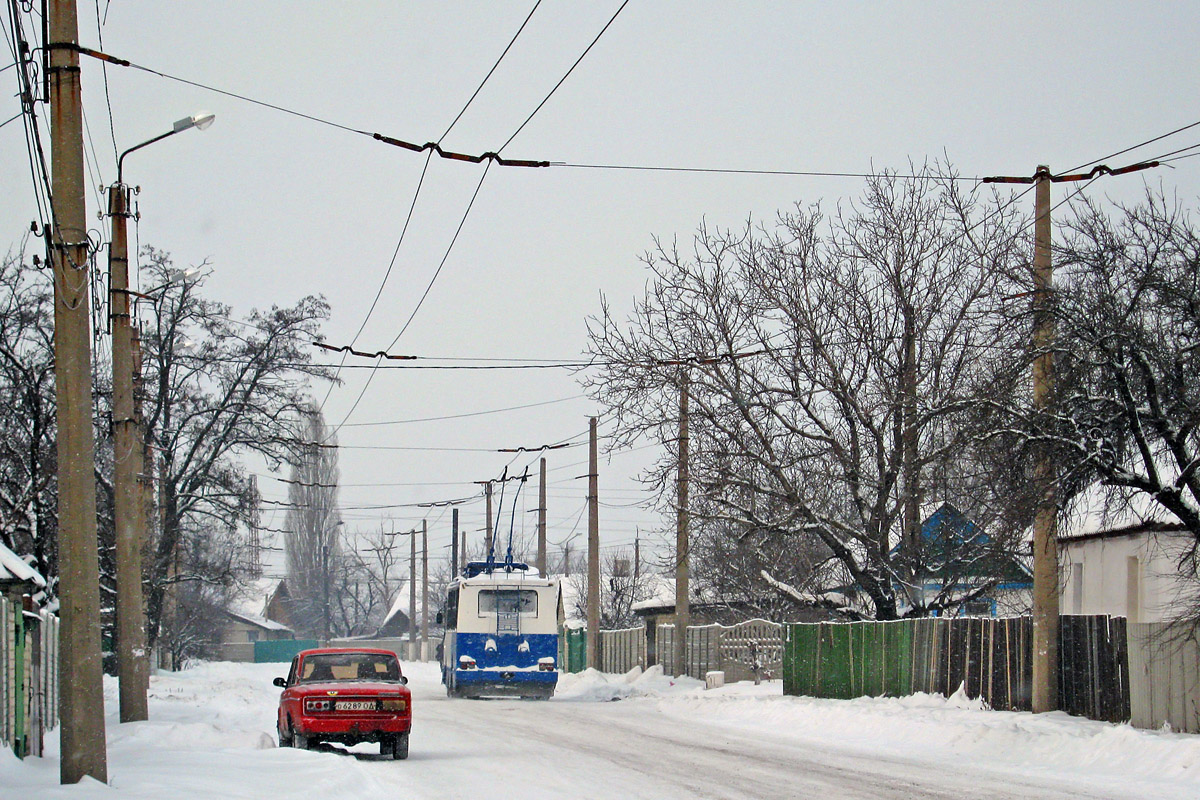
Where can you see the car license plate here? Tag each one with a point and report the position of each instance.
(355, 705)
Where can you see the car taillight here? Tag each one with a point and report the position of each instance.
(546, 664)
(393, 705)
(466, 662)
(313, 704)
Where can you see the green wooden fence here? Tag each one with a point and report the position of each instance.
(989, 657)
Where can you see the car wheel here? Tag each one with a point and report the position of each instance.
(400, 747)
(285, 736)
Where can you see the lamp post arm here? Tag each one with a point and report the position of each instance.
(121, 159)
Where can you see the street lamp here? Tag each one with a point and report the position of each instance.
(129, 519)
(199, 121)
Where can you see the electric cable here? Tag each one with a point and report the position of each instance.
(563, 79)
(489, 74)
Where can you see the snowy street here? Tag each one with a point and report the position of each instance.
(211, 735)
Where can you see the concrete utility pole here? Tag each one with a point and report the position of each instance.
(127, 457)
(682, 603)
(81, 698)
(454, 543)
(1045, 535)
(412, 595)
(637, 558)
(541, 546)
(909, 451)
(593, 598)
(145, 510)
(424, 590)
(487, 536)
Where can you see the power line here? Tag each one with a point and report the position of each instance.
(463, 416)
(563, 79)
(735, 171)
(420, 302)
(492, 70)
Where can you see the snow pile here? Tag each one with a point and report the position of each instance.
(594, 686)
(949, 729)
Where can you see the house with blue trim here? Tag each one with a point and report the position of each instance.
(960, 560)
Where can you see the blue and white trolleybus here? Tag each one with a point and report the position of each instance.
(501, 638)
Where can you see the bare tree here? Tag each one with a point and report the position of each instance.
(313, 541)
(217, 389)
(620, 589)
(832, 368)
(28, 483)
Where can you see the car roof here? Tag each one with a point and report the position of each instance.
(375, 651)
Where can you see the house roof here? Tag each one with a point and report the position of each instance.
(1112, 511)
(259, 622)
(14, 569)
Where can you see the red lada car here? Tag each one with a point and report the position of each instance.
(346, 695)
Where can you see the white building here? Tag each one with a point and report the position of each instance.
(1123, 562)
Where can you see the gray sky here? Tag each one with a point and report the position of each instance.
(283, 206)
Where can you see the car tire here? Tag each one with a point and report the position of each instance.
(399, 747)
(285, 735)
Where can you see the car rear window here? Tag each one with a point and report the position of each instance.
(349, 667)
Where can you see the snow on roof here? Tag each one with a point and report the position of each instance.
(253, 598)
(261, 622)
(662, 592)
(1102, 508)
(14, 568)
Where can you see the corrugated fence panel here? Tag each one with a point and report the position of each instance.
(1164, 675)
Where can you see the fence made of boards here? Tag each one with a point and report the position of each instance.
(28, 677)
(1108, 669)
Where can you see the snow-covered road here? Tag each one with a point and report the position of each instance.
(210, 736)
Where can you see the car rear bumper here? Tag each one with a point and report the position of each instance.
(359, 729)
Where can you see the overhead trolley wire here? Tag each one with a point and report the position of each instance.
(563, 79)
(490, 72)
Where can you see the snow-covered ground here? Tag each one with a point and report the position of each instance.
(211, 735)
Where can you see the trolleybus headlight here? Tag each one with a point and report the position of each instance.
(546, 664)
(317, 705)
(466, 662)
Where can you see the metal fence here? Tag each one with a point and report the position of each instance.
(28, 677)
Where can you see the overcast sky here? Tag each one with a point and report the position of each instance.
(281, 206)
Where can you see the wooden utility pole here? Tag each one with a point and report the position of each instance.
(593, 598)
(682, 604)
(541, 545)
(487, 536)
(424, 589)
(412, 595)
(454, 543)
(1045, 538)
(81, 698)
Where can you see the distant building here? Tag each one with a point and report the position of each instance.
(261, 614)
(960, 558)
